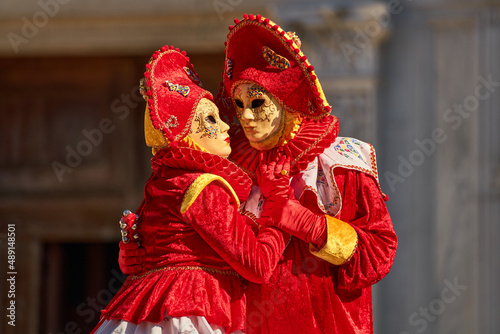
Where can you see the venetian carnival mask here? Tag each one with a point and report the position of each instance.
(260, 115)
(208, 131)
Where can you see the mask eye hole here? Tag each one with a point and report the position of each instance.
(238, 103)
(257, 103)
(210, 119)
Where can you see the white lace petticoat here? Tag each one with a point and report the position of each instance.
(169, 325)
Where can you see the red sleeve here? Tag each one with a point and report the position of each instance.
(214, 215)
(363, 207)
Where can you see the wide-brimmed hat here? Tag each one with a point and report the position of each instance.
(259, 51)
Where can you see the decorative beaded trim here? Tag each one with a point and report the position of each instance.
(229, 68)
(249, 215)
(210, 270)
(274, 59)
(183, 90)
(256, 92)
(210, 131)
(143, 89)
(192, 76)
(128, 225)
(171, 122)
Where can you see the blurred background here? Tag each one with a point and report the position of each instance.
(419, 79)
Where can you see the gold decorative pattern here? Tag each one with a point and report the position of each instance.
(250, 215)
(210, 270)
(197, 187)
(341, 242)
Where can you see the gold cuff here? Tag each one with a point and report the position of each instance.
(341, 242)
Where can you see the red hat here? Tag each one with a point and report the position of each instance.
(259, 51)
(173, 91)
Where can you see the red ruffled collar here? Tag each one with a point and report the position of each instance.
(313, 137)
(196, 161)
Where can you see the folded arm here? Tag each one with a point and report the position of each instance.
(214, 215)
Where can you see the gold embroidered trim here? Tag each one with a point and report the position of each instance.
(198, 185)
(249, 215)
(341, 242)
(210, 270)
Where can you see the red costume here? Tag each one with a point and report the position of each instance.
(325, 289)
(312, 290)
(198, 246)
(194, 258)
(307, 294)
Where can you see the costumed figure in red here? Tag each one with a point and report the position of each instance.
(197, 250)
(344, 241)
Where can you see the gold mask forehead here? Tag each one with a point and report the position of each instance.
(205, 106)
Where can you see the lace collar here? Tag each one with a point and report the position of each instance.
(313, 137)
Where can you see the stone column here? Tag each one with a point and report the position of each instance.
(342, 42)
(443, 151)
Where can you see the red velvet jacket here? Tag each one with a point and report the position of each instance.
(197, 244)
(307, 294)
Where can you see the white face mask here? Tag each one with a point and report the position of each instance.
(208, 131)
(259, 113)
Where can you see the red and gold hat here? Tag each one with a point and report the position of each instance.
(259, 51)
(173, 91)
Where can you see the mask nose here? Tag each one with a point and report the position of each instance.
(247, 115)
